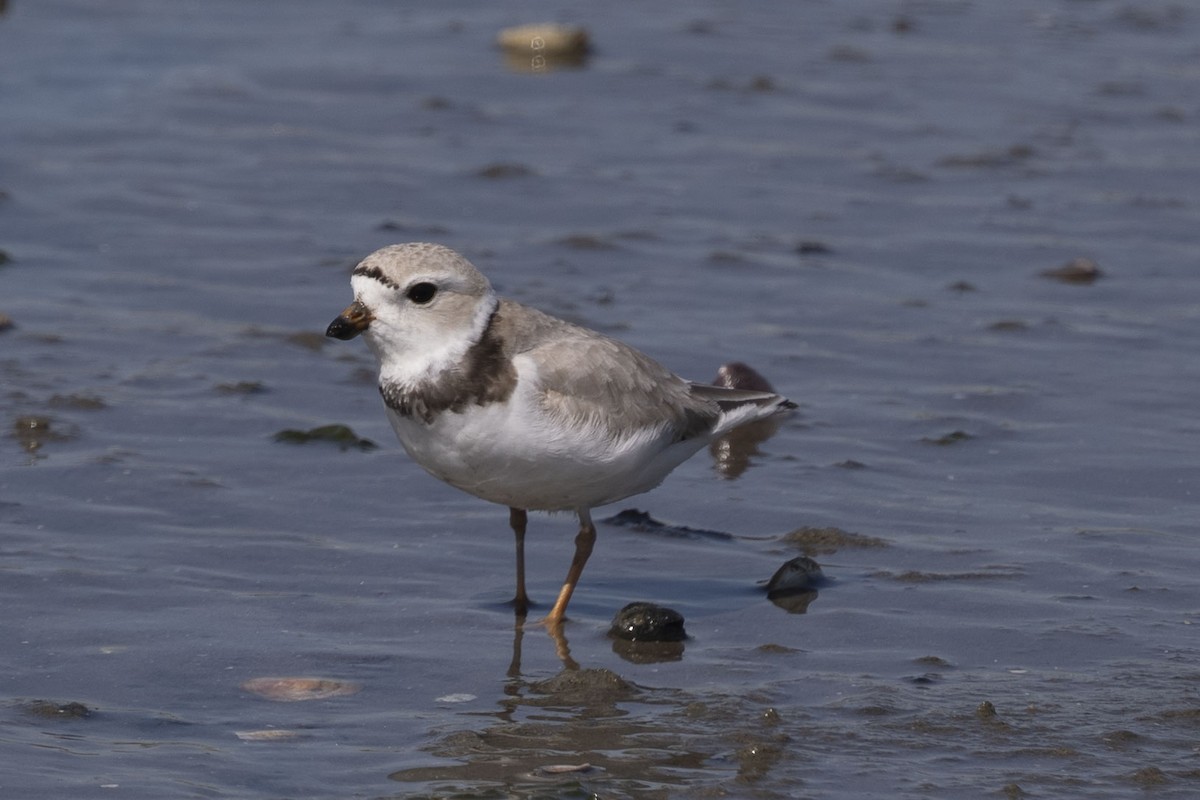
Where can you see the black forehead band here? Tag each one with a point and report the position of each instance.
(375, 273)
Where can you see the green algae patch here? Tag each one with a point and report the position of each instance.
(340, 435)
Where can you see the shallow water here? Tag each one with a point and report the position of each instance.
(857, 201)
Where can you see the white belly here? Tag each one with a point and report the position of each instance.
(508, 453)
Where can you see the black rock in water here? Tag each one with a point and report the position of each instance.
(647, 622)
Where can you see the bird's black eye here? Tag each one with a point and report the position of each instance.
(421, 293)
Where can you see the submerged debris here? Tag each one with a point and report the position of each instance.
(991, 159)
(642, 522)
(1149, 776)
(502, 170)
(79, 402)
(48, 709)
(812, 247)
(291, 690)
(595, 687)
(267, 735)
(341, 435)
(564, 769)
(586, 241)
(824, 541)
(954, 437)
(240, 387)
(33, 430)
(1077, 270)
(917, 576)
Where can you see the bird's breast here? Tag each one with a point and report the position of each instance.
(515, 455)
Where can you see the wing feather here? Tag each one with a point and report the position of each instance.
(587, 378)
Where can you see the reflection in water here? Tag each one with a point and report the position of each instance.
(544, 47)
(635, 652)
(561, 648)
(590, 732)
(648, 652)
(793, 586)
(793, 602)
(733, 451)
(642, 522)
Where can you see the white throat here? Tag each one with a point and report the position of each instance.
(420, 360)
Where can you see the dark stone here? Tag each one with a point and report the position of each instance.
(647, 622)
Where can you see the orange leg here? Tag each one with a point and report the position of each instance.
(517, 519)
(583, 549)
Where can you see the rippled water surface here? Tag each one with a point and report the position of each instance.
(860, 200)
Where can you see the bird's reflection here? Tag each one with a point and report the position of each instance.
(558, 638)
(561, 648)
(588, 732)
(732, 452)
(635, 652)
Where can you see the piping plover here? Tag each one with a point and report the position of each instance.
(521, 408)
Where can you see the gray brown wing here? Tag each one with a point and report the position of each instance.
(729, 399)
(587, 378)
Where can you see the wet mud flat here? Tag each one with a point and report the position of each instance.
(960, 235)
